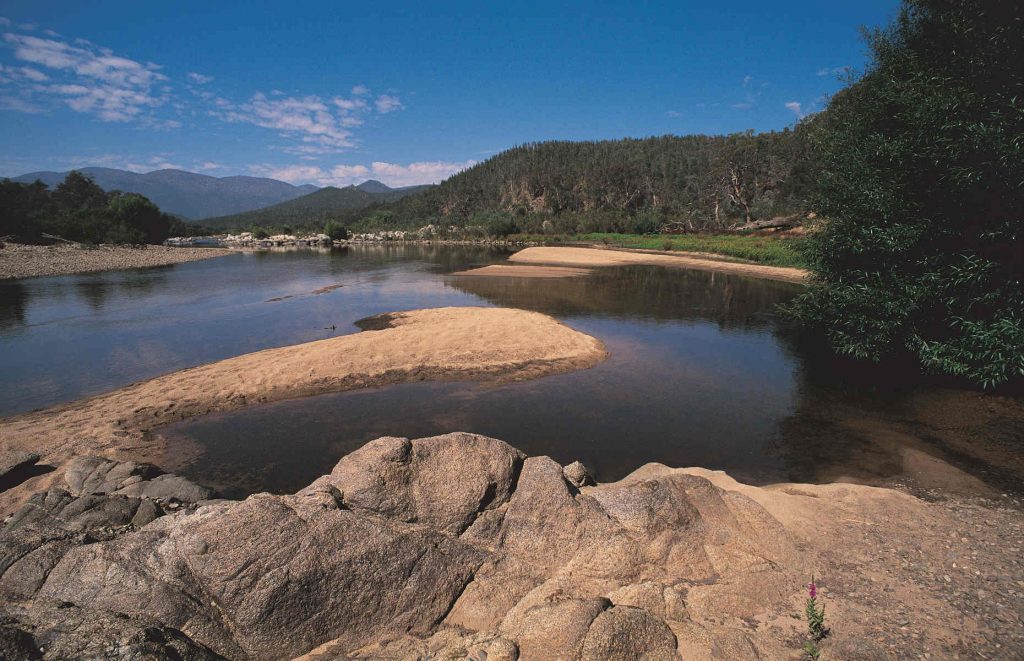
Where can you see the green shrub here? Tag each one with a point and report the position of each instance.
(921, 177)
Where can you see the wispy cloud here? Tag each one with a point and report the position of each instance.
(797, 109)
(674, 113)
(199, 79)
(388, 103)
(84, 77)
(833, 71)
(392, 174)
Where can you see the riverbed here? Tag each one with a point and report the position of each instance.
(702, 371)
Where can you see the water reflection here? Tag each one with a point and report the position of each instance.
(13, 301)
(640, 292)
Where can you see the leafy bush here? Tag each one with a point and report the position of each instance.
(336, 230)
(79, 210)
(922, 181)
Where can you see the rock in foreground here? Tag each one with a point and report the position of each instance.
(450, 547)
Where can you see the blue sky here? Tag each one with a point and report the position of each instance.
(339, 92)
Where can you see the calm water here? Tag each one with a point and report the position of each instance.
(701, 371)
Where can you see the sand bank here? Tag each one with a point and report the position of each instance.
(520, 271)
(443, 343)
(22, 261)
(591, 257)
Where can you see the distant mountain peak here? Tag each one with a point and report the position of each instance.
(374, 186)
(187, 194)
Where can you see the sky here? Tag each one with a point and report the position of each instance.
(334, 93)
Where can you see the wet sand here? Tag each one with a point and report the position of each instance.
(23, 261)
(592, 257)
(519, 271)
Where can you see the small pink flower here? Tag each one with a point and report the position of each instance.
(812, 589)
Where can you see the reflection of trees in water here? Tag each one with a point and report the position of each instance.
(13, 301)
(640, 291)
(96, 289)
(855, 420)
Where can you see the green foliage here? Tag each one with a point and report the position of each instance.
(921, 175)
(79, 210)
(774, 251)
(336, 230)
(315, 209)
(690, 183)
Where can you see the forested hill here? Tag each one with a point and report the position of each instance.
(315, 208)
(687, 182)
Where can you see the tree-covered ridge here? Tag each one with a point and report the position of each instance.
(688, 183)
(79, 210)
(315, 208)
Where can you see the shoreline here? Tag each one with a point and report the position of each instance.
(587, 257)
(20, 261)
(444, 344)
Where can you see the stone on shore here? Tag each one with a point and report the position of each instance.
(450, 547)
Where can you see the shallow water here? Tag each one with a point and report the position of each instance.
(701, 370)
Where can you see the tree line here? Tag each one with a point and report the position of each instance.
(668, 183)
(79, 210)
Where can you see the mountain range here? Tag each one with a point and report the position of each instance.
(316, 207)
(187, 194)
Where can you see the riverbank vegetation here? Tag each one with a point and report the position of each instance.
(79, 210)
(773, 250)
(921, 175)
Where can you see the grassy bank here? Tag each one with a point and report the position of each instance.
(774, 251)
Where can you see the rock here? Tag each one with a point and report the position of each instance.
(60, 509)
(17, 644)
(443, 482)
(12, 461)
(96, 475)
(661, 600)
(625, 633)
(451, 546)
(292, 572)
(551, 623)
(578, 474)
(15, 468)
(502, 649)
(65, 631)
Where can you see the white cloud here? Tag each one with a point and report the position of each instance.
(199, 79)
(360, 90)
(797, 108)
(89, 79)
(350, 104)
(833, 71)
(4, 22)
(208, 166)
(307, 118)
(387, 103)
(392, 174)
(674, 113)
(34, 75)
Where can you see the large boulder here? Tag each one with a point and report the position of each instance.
(454, 546)
(443, 482)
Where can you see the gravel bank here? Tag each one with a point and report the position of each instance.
(23, 261)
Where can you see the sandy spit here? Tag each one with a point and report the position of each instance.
(519, 271)
(441, 344)
(23, 261)
(590, 257)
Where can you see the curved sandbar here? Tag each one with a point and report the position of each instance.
(442, 344)
(590, 257)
